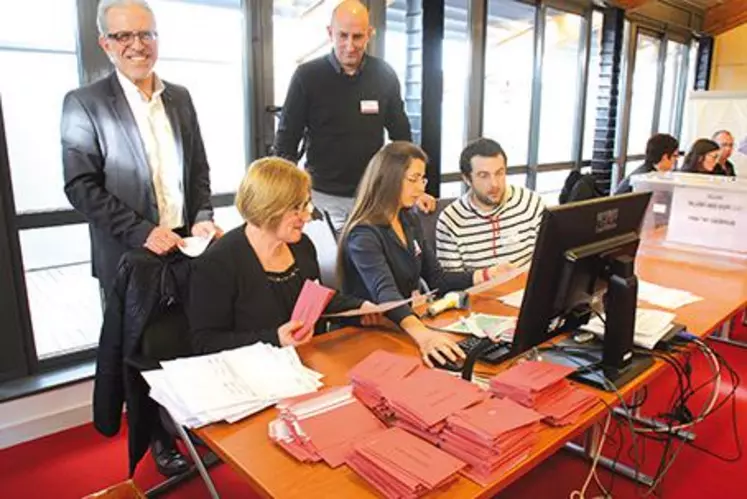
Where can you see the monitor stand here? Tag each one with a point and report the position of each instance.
(610, 364)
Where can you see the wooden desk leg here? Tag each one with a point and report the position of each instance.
(589, 449)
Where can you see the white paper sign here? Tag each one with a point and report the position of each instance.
(713, 218)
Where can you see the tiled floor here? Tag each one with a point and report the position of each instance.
(65, 308)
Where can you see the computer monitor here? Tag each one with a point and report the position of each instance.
(586, 251)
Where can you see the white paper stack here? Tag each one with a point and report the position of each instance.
(229, 385)
(650, 326)
(665, 297)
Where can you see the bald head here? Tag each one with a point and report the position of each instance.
(350, 8)
(349, 31)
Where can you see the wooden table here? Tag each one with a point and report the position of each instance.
(271, 472)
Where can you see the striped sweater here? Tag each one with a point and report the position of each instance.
(468, 239)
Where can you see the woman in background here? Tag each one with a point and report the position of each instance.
(383, 253)
(702, 157)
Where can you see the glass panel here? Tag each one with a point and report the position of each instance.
(672, 77)
(451, 189)
(38, 25)
(34, 137)
(201, 47)
(549, 185)
(509, 56)
(592, 88)
(64, 298)
(227, 217)
(644, 96)
(560, 77)
(456, 59)
(305, 20)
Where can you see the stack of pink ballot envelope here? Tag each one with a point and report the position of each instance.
(400, 465)
(422, 401)
(492, 437)
(543, 386)
(380, 369)
(323, 425)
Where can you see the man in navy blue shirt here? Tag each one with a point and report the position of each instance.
(342, 103)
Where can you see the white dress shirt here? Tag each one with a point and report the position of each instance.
(161, 150)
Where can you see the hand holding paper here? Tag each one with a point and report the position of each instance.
(194, 246)
(289, 334)
(309, 307)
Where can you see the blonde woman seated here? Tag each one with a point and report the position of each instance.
(244, 287)
(382, 248)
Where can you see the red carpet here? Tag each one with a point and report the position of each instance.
(79, 461)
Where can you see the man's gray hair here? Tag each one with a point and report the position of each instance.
(105, 5)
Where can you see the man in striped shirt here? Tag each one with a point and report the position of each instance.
(493, 223)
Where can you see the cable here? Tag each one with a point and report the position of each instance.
(576, 494)
(611, 387)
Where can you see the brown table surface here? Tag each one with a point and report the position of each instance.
(271, 472)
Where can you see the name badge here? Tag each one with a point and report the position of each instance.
(369, 107)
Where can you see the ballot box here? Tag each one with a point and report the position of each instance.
(695, 212)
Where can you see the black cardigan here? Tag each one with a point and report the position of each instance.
(379, 268)
(231, 303)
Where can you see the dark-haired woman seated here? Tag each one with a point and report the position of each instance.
(244, 287)
(383, 253)
(702, 157)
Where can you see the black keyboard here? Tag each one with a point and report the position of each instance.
(494, 354)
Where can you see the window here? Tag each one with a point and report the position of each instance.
(64, 299)
(676, 53)
(560, 81)
(201, 47)
(509, 56)
(299, 34)
(549, 185)
(644, 93)
(592, 92)
(455, 58)
(33, 47)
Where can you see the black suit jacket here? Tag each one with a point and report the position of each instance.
(107, 176)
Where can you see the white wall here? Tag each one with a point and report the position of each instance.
(35, 416)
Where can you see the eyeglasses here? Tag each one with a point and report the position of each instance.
(415, 180)
(305, 207)
(128, 37)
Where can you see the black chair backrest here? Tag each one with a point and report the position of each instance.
(428, 221)
(579, 187)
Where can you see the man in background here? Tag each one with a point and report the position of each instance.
(662, 151)
(342, 103)
(726, 141)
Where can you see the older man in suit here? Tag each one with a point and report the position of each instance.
(134, 160)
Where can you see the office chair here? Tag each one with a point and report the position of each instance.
(579, 187)
(320, 231)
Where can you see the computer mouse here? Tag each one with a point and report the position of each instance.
(448, 365)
